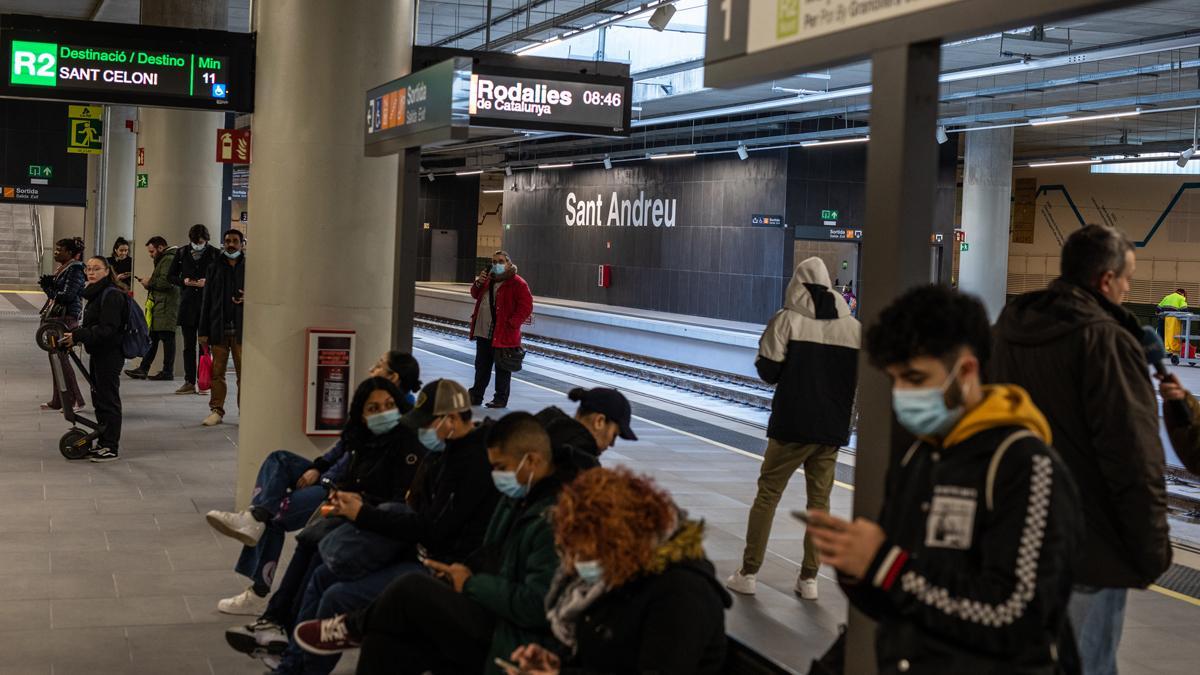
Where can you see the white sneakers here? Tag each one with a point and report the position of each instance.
(214, 418)
(741, 583)
(246, 603)
(806, 588)
(241, 526)
(746, 584)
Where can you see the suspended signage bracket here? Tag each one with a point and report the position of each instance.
(443, 102)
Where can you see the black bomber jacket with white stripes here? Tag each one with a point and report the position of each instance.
(975, 574)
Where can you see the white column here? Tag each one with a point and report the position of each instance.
(324, 215)
(987, 194)
(120, 167)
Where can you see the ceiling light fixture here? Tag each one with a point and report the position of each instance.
(493, 192)
(941, 135)
(840, 141)
(607, 163)
(1186, 155)
(676, 155)
(564, 165)
(743, 153)
(661, 17)
(476, 172)
(508, 171)
(1065, 119)
(1037, 165)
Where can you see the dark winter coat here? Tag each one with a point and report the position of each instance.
(809, 351)
(164, 294)
(513, 570)
(1182, 419)
(975, 573)
(65, 287)
(672, 623)
(188, 266)
(381, 468)
(1079, 357)
(452, 498)
(103, 318)
(513, 304)
(574, 446)
(224, 282)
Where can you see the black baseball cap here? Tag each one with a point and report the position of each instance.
(438, 399)
(608, 402)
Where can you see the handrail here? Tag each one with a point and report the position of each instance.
(36, 222)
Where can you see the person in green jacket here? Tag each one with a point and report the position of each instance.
(163, 301)
(463, 617)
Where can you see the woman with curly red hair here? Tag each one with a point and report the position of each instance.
(635, 592)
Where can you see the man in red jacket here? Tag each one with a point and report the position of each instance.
(502, 303)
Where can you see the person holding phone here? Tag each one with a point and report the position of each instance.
(120, 261)
(502, 304)
(220, 325)
(969, 566)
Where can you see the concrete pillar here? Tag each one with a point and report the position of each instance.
(120, 168)
(324, 215)
(987, 194)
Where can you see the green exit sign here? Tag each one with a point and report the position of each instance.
(828, 214)
(964, 246)
(143, 180)
(39, 171)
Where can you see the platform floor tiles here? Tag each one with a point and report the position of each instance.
(112, 569)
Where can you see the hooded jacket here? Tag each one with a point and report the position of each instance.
(513, 304)
(163, 293)
(574, 446)
(670, 621)
(452, 500)
(1079, 357)
(809, 351)
(982, 527)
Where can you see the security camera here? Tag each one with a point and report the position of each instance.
(661, 17)
(1185, 156)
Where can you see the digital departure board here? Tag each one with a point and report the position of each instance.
(550, 104)
(122, 63)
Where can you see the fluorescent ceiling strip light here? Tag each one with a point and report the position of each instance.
(1065, 119)
(840, 141)
(1036, 165)
(492, 192)
(556, 166)
(468, 173)
(676, 155)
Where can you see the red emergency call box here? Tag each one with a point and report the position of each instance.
(604, 276)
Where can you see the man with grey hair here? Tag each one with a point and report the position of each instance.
(1078, 354)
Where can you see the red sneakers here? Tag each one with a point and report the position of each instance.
(325, 636)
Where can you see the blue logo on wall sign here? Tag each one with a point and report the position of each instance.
(218, 91)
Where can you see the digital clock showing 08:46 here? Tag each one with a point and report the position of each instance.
(609, 98)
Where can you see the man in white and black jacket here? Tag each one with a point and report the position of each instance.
(969, 567)
(809, 351)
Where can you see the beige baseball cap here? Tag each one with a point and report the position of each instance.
(437, 399)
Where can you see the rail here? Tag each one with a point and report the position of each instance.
(35, 221)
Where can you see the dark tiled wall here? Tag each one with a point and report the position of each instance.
(450, 203)
(711, 263)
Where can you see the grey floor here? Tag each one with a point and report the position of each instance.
(112, 569)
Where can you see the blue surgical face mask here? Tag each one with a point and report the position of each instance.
(924, 411)
(507, 483)
(498, 269)
(429, 438)
(590, 571)
(232, 256)
(381, 423)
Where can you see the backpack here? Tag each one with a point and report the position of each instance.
(135, 338)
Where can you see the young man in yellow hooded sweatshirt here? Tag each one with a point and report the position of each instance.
(969, 567)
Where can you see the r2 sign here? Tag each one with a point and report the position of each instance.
(33, 63)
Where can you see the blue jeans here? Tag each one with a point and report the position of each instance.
(1097, 616)
(277, 475)
(328, 596)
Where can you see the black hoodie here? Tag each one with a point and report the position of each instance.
(574, 446)
(1079, 357)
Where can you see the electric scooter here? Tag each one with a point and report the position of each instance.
(77, 442)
